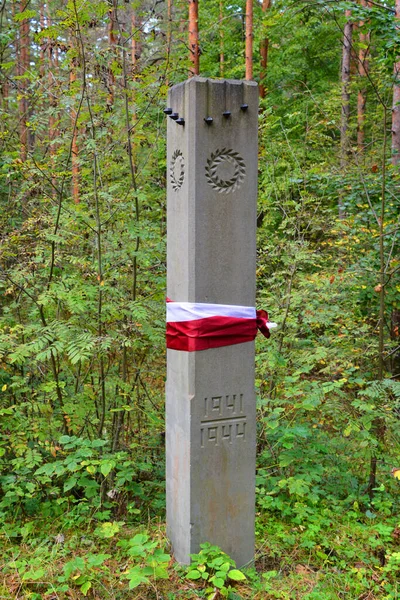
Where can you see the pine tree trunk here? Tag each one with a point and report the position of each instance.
(345, 117)
(395, 317)
(264, 53)
(363, 70)
(249, 40)
(42, 43)
(52, 75)
(136, 46)
(54, 117)
(23, 66)
(354, 56)
(5, 91)
(221, 40)
(396, 101)
(395, 336)
(194, 50)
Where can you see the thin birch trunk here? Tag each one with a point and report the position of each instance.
(169, 36)
(130, 118)
(136, 48)
(378, 424)
(112, 41)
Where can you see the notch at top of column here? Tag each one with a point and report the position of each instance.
(220, 100)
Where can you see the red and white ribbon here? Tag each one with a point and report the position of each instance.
(193, 326)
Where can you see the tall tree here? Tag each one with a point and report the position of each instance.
(395, 317)
(52, 76)
(396, 99)
(22, 69)
(169, 33)
(112, 41)
(136, 44)
(74, 143)
(194, 49)
(249, 40)
(363, 68)
(345, 79)
(43, 43)
(4, 82)
(221, 39)
(264, 53)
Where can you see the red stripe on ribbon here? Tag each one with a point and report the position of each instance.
(262, 322)
(215, 332)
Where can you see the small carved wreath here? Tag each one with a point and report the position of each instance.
(225, 185)
(177, 170)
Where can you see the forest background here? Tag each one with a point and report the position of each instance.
(82, 278)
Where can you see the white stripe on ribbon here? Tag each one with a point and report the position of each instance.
(191, 311)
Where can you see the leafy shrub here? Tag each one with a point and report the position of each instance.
(214, 570)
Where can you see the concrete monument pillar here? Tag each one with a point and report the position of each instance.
(211, 250)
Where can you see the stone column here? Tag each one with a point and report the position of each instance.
(211, 258)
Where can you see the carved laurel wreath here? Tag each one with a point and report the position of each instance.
(179, 162)
(225, 185)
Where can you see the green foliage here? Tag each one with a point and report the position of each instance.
(47, 478)
(151, 562)
(214, 570)
(82, 571)
(82, 303)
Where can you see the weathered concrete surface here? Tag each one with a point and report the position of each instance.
(211, 241)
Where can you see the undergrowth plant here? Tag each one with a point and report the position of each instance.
(215, 571)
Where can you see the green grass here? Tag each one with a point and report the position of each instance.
(355, 558)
